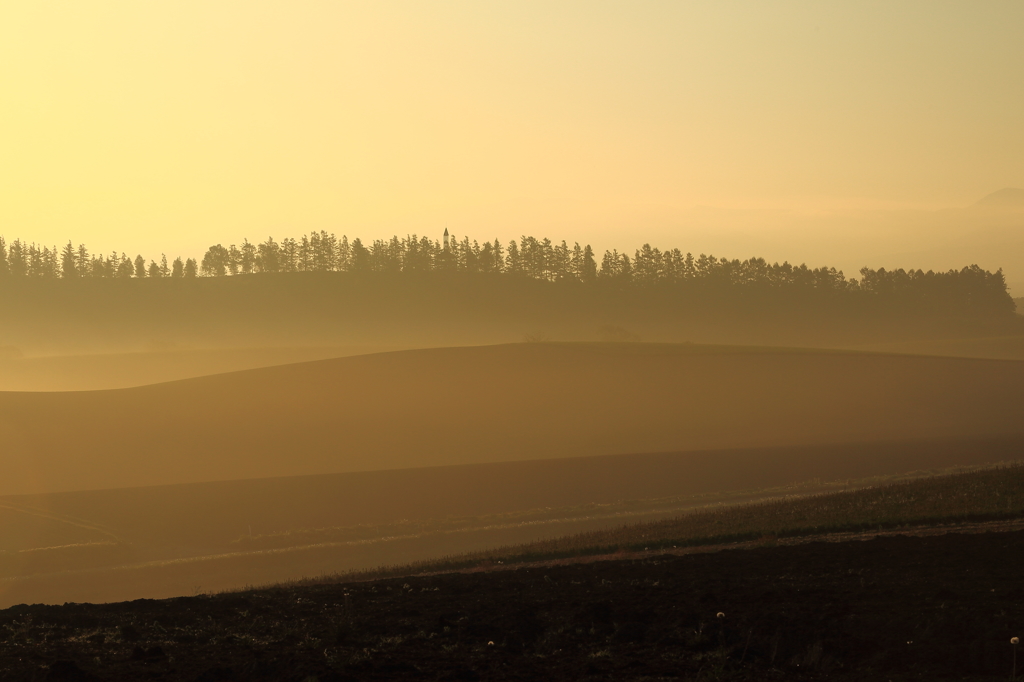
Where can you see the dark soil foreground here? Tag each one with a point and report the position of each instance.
(891, 608)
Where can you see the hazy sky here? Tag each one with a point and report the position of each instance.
(166, 126)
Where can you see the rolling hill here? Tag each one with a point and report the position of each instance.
(161, 541)
(994, 348)
(1007, 196)
(101, 371)
(490, 404)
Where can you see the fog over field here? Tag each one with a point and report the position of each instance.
(511, 340)
(489, 404)
(127, 543)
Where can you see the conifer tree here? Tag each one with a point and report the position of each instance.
(588, 273)
(97, 266)
(344, 256)
(499, 256)
(513, 261)
(305, 259)
(36, 266)
(269, 256)
(17, 259)
(247, 257)
(68, 262)
(360, 256)
(289, 255)
(82, 263)
(125, 269)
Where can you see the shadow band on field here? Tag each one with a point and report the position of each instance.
(222, 535)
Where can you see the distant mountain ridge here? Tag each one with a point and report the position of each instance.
(1007, 196)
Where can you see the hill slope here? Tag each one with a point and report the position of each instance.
(123, 370)
(488, 404)
(1007, 196)
(160, 541)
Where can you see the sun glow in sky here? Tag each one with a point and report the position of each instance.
(165, 126)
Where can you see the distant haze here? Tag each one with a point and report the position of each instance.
(842, 133)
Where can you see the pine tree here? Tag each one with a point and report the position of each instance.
(178, 268)
(561, 266)
(68, 262)
(576, 262)
(609, 264)
(233, 259)
(247, 257)
(486, 262)
(35, 261)
(289, 255)
(344, 256)
(588, 273)
(499, 256)
(513, 261)
(51, 262)
(97, 266)
(82, 263)
(360, 257)
(16, 258)
(324, 251)
(268, 257)
(125, 269)
(140, 267)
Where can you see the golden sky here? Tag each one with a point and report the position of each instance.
(169, 125)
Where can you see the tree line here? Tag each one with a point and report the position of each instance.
(968, 289)
(30, 260)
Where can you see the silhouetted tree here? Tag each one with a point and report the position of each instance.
(234, 259)
(247, 257)
(588, 271)
(18, 259)
(289, 255)
(215, 261)
(82, 263)
(969, 291)
(268, 257)
(69, 261)
(344, 256)
(360, 256)
(513, 261)
(125, 269)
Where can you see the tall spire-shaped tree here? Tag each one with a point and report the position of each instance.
(69, 261)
